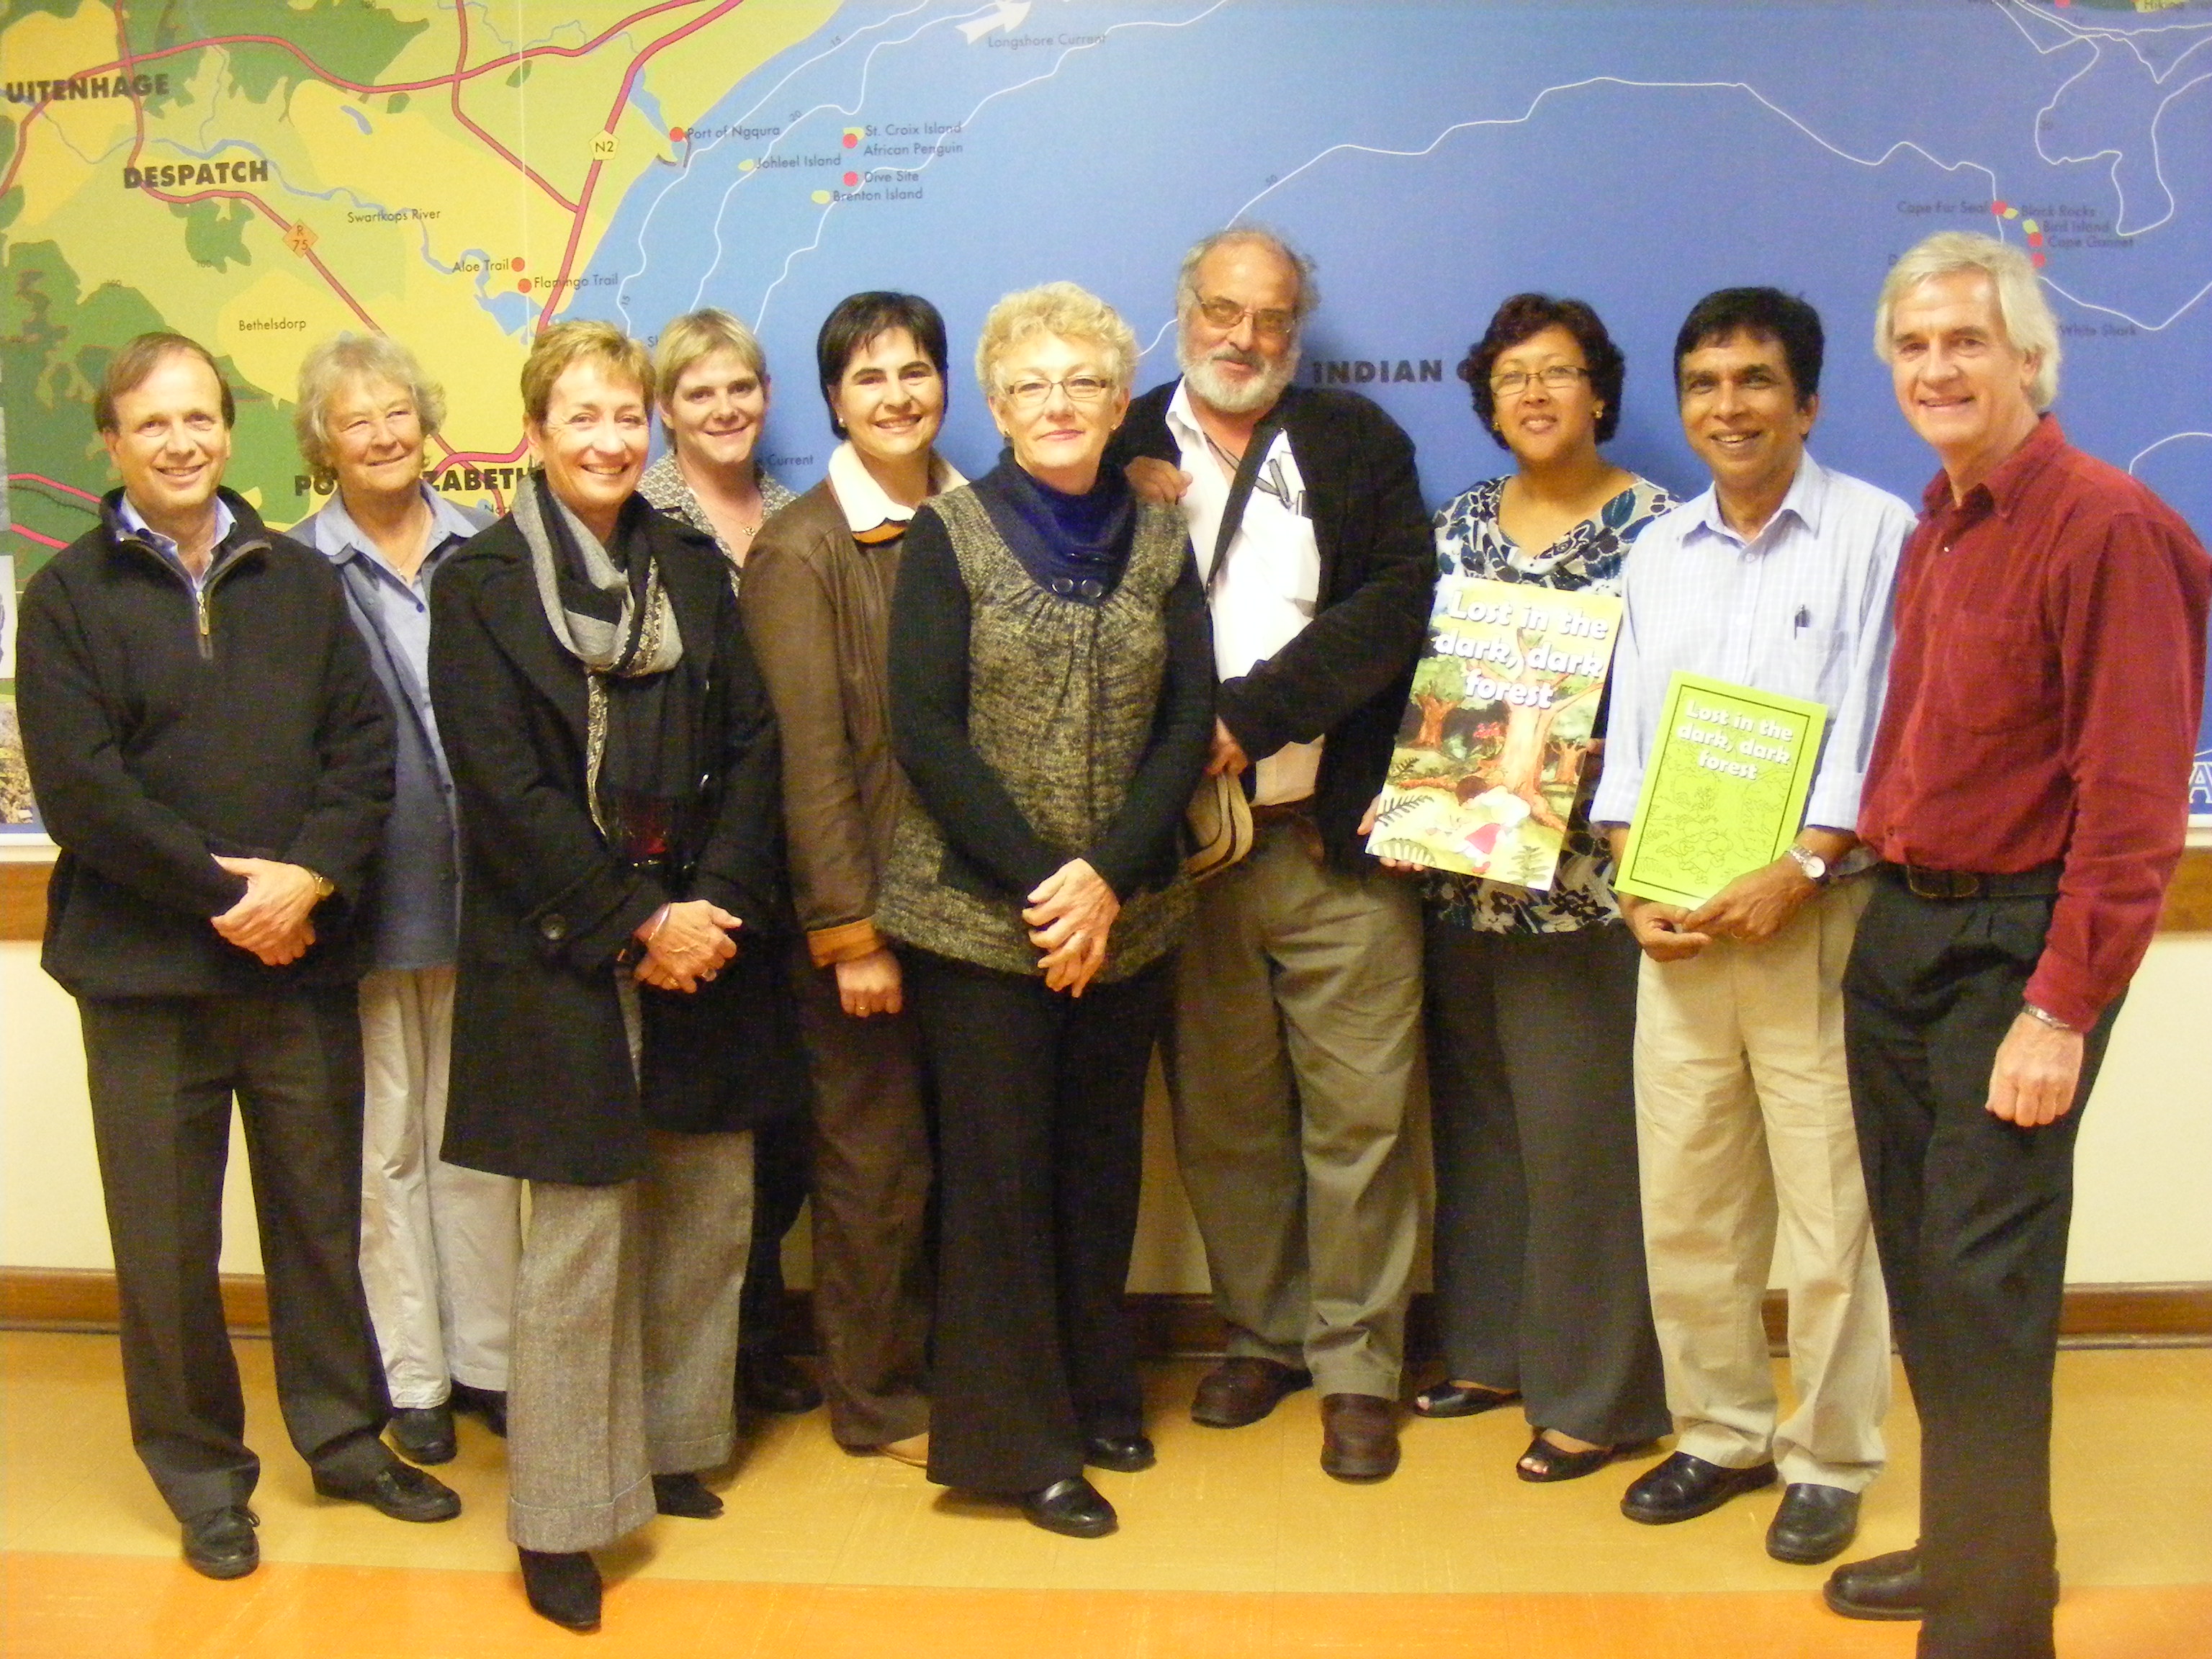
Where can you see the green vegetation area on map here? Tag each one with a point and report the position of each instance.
(352, 39)
(57, 346)
(215, 233)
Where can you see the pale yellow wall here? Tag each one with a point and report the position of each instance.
(2141, 1214)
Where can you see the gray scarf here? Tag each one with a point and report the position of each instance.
(638, 641)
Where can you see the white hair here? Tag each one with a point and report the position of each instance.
(2028, 320)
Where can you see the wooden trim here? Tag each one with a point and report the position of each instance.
(84, 1299)
(2188, 900)
(23, 899)
(1169, 1326)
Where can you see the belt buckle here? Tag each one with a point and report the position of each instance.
(1941, 883)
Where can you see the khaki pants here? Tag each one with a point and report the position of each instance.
(1297, 1033)
(438, 1242)
(1744, 1123)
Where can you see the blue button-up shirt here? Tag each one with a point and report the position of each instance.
(135, 522)
(418, 884)
(1801, 608)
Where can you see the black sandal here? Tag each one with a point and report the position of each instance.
(1558, 1463)
(1450, 1399)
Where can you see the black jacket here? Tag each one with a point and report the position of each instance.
(1345, 677)
(542, 1086)
(162, 730)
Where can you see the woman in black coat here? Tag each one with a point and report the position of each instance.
(620, 1021)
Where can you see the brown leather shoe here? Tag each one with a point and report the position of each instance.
(1358, 1436)
(1243, 1389)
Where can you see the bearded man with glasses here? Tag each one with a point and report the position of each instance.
(1298, 996)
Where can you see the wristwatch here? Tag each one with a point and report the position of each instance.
(2045, 1015)
(1814, 867)
(324, 885)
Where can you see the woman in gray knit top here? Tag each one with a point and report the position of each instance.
(1051, 696)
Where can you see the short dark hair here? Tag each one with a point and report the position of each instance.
(128, 370)
(1526, 315)
(1766, 313)
(858, 319)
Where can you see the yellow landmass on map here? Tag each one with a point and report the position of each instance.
(413, 220)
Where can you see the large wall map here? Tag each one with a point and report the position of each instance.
(261, 173)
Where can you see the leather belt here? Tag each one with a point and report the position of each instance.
(1921, 882)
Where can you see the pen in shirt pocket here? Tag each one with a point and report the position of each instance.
(1804, 620)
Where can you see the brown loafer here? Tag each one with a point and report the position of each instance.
(1243, 1389)
(1358, 1436)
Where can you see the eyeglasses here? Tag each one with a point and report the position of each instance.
(1271, 323)
(1556, 377)
(1031, 390)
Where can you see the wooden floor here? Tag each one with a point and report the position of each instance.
(1235, 1546)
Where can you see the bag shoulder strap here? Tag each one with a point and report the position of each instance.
(1240, 492)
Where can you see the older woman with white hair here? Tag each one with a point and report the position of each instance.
(1052, 697)
(438, 1242)
(713, 394)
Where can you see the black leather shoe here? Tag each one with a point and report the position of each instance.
(1879, 1587)
(398, 1490)
(685, 1495)
(1684, 1487)
(1815, 1524)
(1073, 1508)
(424, 1434)
(1358, 1436)
(489, 1404)
(1450, 1399)
(1125, 1454)
(1243, 1389)
(563, 1586)
(220, 1543)
(775, 1382)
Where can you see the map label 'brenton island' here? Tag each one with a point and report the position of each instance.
(183, 175)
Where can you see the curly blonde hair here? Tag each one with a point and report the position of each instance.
(346, 361)
(1061, 308)
(565, 344)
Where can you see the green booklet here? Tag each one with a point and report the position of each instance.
(1724, 790)
(1489, 757)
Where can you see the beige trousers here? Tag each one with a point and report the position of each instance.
(1744, 1125)
(1292, 1062)
(438, 1242)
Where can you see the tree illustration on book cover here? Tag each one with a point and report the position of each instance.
(1490, 753)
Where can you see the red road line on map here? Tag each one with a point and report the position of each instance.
(51, 483)
(591, 177)
(461, 28)
(33, 535)
(130, 61)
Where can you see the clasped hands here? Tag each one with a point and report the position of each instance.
(686, 944)
(1070, 915)
(271, 918)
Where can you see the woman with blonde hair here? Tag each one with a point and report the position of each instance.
(620, 1022)
(438, 1242)
(1052, 698)
(713, 387)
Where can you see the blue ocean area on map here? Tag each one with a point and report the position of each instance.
(1434, 159)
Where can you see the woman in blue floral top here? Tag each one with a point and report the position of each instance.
(1532, 996)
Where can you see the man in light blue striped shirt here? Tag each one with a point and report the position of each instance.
(1777, 578)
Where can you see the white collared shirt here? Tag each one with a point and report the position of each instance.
(865, 504)
(1802, 609)
(1268, 592)
(135, 522)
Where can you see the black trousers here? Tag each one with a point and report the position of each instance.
(162, 1073)
(1040, 1104)
(781, 1176)
(1971, 1215)
(1541, 1284)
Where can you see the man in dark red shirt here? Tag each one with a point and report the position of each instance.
(2027, 796)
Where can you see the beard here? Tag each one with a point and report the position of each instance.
(1233, 397)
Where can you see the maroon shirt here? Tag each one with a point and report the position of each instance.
(2044, 697)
